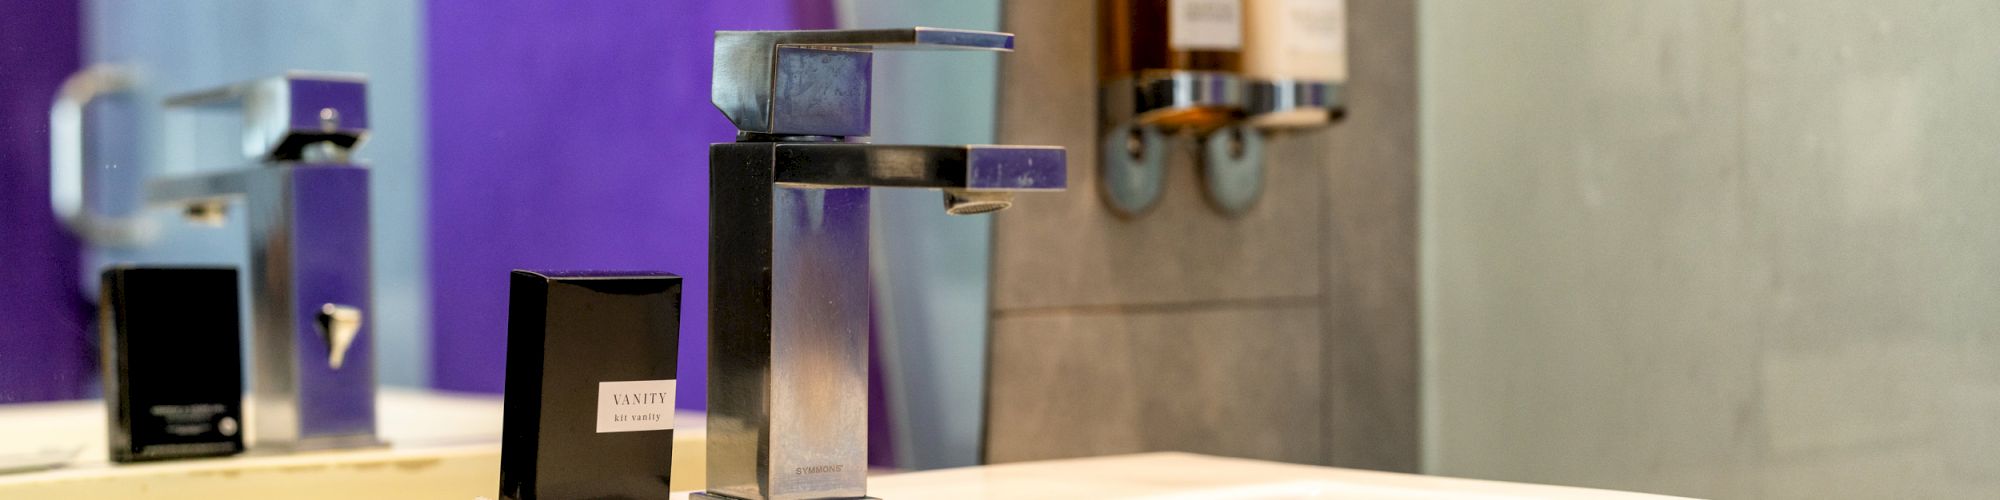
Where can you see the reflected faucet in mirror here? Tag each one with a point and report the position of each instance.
(305, 203)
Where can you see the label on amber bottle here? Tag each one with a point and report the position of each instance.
(1205, 24)
(637, 405)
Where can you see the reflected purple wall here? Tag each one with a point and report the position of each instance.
(45, 348)
(572, 135)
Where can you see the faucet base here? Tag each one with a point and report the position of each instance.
(788, 331)
(327, 443)
(703, 495)
(312, 385)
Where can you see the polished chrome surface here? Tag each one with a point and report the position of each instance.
(1150, 95)
(308, 237)
(313, 371)
(1232, 158)
(292, 116)
(964, 202)
(816, 82)
(968, 168)
(1138, 112)
(1137, 117)
(819, 347)
(1309, 103)
(788, 250)
(821, 91)
(67, 194)
(1146, 98)
(788, 345)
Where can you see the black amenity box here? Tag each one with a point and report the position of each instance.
(590, 385)
(173, 364)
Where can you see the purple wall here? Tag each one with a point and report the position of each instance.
(572, 135)
(45, 349)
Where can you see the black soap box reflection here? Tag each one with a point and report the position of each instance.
(173, 375)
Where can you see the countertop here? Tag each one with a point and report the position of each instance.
(442, 445)
(1184, 476)
(447, 446)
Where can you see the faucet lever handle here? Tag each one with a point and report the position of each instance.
(338, 325)
(289, 116)
(816, 82)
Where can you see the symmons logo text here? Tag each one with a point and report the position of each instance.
(817, 469)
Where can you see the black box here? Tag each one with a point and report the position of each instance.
(590, 385)
(173, 365)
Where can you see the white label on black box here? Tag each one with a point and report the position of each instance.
(1205, 24)
(638, 405)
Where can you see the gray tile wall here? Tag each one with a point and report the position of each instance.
(1286, 334)
(1726, 249)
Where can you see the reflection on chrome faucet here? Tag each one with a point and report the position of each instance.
(306, 206)
(788, 253)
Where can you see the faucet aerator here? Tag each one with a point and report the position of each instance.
(973, 203)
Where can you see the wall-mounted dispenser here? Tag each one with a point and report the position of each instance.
(1225, 72)
(1165, 66)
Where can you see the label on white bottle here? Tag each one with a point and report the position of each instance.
(1317, 25)
(1205, 24)
(637, 405)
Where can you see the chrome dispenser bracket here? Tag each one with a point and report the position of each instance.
(1154, 97)
(1286, 104)
(1139, 118)
(1232, 158)
(1141, 115)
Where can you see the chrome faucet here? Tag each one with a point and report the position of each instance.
(305, 203)
(788, 249)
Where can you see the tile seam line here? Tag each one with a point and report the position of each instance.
(1278, 302)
